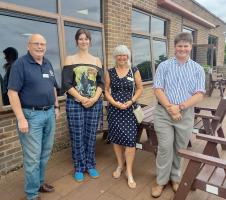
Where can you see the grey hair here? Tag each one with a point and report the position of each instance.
(122, 50)
(32, 35)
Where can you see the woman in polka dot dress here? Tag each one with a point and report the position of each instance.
(121, 120)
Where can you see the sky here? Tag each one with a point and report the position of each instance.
(217, 7)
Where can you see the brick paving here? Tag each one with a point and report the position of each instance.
(60, 171)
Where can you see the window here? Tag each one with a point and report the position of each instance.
(16, 27)
(212, 51)
(159, 52)
(191, 31)
(140, 22)
(83, 9)
(14, 33)
(148, 43)
(47, 5)
(158, 26)
(96, 35)
(141, 57)
(212, 40)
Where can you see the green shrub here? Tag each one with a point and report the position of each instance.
(206, 68)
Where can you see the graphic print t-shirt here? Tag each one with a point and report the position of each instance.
(84, 77)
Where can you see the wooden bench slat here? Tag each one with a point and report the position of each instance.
(149, 107)
(198, 123)
(224, 183)
(211, 138)
(146, 115)
(206, 172)
(149, 119)
(205, 108)
(220, 191)
(202, 158)
(208, 117)
(217, 177)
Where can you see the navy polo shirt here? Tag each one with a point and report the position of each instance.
(34, 82)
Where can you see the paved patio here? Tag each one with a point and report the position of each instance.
(60, 171)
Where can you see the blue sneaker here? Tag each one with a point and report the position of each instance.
(93, 173)
(79, 176)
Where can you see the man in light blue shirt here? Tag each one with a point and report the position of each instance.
(179, 84)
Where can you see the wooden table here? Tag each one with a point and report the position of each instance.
(150, 144)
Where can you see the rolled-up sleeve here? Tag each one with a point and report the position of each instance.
(200, 81)
(100, 79)
(67, 78)
(159, 77)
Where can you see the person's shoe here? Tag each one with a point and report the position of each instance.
(79, 176)
(156, 191)
(45, 188)
(117, 173)
(131, 183)
(37, 198)
(93, 173)
(175, 186)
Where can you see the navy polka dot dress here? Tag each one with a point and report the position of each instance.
(122, 124)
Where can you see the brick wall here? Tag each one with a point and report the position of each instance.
(117, 29)
(201, 55)
(10, 148)
(117, 23)
(203, 33)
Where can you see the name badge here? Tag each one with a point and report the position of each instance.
(45, 75)
(130, 78)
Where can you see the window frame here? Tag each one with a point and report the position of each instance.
(193, 32)
(146, 37)
(214, 49)
(151, 37)
(60, 19)
(161, 40)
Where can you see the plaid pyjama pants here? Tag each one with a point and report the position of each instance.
(83, 124)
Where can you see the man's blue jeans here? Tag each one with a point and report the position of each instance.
(37, 145)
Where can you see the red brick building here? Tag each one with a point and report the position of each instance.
(146, 26)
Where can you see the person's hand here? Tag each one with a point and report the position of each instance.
(23, 125)
(128, 104)
(83, 100)
(57, 113)
(176, 117)
(89, 102)
(173, 109)
(120, 105)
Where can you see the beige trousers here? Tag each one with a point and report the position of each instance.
(171, 136)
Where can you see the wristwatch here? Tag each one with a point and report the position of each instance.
(182, 107)
(58, 107)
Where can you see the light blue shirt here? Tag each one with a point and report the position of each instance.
(179, 81)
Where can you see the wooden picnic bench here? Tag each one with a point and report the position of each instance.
(147, 125)
(205, 171)
(206, 124)
(103, 125)
(217, 81)
(211, 124)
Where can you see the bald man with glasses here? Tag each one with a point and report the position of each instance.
(32, 95)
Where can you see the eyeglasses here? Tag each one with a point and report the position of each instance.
(122, 55)
(38, 44)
